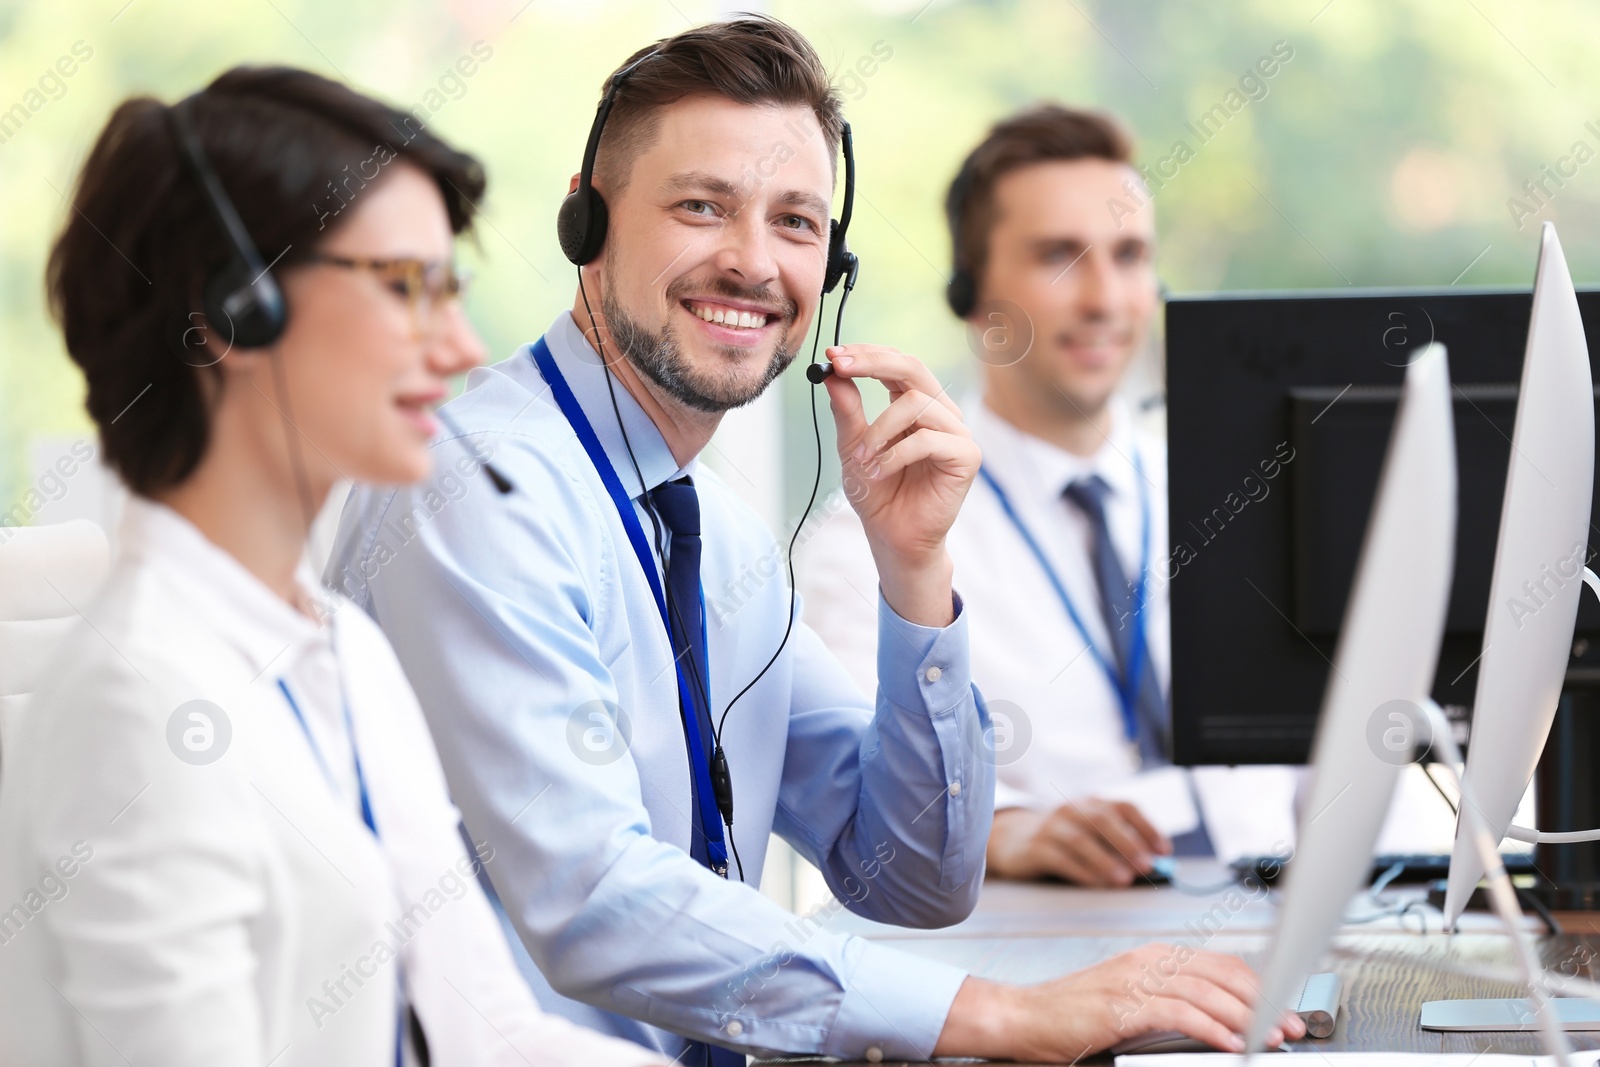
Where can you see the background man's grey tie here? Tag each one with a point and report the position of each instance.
(1120, 612)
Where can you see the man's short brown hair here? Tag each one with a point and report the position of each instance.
(1043, 133)
(751, 59)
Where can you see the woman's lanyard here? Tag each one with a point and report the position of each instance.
(1127, 689)
(699, 756)
(355, 756)
(366, 817)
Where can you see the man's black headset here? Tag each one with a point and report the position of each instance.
(581, 225)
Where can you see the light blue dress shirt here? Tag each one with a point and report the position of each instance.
(528, 629)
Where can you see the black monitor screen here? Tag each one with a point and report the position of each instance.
(1279, 409)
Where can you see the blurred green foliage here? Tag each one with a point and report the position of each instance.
(1384, 152)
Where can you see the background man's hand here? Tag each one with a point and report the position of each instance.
(906, 474)
(1090, 842)
(1206, 995)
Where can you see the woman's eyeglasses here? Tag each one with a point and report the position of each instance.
(425, 283)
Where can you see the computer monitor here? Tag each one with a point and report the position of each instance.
(1279, 407)
(1381, 672)
(1538, 566)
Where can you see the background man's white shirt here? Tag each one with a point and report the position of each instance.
(1065, 738)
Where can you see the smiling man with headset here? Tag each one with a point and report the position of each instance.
(626, 756)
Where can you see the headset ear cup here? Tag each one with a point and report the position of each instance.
(570, 225)
(961, 293)
(581, 225)
(244, 312)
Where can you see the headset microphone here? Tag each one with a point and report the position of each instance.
(501, 482)
(842, 263)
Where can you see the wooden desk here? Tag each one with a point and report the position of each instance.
(1030, 933)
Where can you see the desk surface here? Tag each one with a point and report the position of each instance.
(1390, 965)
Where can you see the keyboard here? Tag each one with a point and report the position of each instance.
(1415, 867)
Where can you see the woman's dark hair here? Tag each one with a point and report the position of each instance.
(292, 149)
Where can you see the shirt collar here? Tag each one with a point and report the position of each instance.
(237, 604)
(580, 364)
(1034, 465)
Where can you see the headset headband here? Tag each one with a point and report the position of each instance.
(242, 298)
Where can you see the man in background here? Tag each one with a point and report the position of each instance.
(1061, 549)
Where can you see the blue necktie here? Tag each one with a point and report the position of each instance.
(1118, 609)
(679, 507)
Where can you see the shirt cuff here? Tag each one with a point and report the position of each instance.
(923, 666)
(895, 1005)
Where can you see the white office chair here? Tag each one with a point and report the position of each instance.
(46, 574)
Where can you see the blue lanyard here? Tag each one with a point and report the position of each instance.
(366, 812)
(1127, 689)
(699, 758)
(361, 779)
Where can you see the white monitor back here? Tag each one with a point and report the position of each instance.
(1538, 566)
(1388, 650)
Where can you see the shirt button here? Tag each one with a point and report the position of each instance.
(933, 674)
(874, 1054)
(955, 789)
(735, 1028)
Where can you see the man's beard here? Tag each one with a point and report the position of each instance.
(660, 357)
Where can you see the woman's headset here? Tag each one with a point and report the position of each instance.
(243, 293)
(242, 297)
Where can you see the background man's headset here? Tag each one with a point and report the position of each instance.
(244, 300)
(581, 227)
(961, 292)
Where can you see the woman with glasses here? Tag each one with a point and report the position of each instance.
(224, 832)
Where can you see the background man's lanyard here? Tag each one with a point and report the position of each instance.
(1127, 689)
